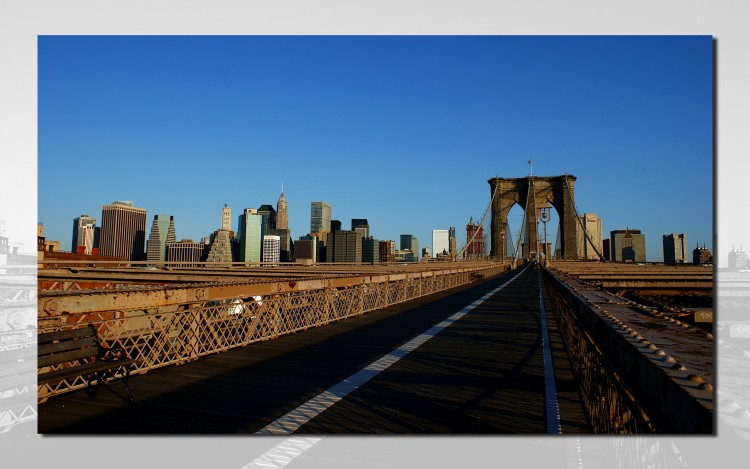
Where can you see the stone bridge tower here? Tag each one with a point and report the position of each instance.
(558, 190)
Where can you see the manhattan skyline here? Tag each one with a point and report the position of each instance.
(403, 131)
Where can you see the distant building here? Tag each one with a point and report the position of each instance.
(588, 246)
(306, 248)
(475, 240)
(426, 253)
(271, 248)
(370, 251)
(162, 232)
(320, 217)
(249, 236)
(440, 242)
(221, 248)
(606, 250)
(85, 234)
(738, 260)
(452, 242)
(387, 251)
(702, 256)
(123, 231)
(405, 255)
(344, 246)
(226, 218)
(628, 245)
(335, 225)
(186, 253)
(286, 245)
(675, 248)
(361, 226)
(269, 218)
(282, 214)
(410, 243)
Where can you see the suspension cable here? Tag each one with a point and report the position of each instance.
(580, 222)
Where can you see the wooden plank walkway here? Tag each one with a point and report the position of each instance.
(481, 375)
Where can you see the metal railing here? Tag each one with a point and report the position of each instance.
(167, 335)
(608, 402)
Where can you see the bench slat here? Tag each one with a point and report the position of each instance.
(48, 360)
(66, 345)
(48, 337)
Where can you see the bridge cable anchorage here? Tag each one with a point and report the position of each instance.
(580, 222)
(295, 419)
(552, 409)
(481, 223)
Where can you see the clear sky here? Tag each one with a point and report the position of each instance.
(402, 130)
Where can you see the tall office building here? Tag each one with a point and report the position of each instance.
(123, 232)
(452, 241)
(702, 255)
(627, 245)
(335, 225)
(306, 248)
(675, 248)
(271, 248)
(286, 246)
(226, 218)
(269, 218)
(370, 251)
(440, 242)
(282, 215)
(320, 217)
(162, 232)
(220, 250)
(387, 251)
(475, 240)
(87, 241)
(588, 245)
(410, 243)
(250, 236)
(344, 246)
(361, 226)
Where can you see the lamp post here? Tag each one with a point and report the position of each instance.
(544, 216)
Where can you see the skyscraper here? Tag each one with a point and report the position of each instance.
(320, 217)
(123, 232)
(80, 226)
(282, 216)
(269, 218)
(627, 245)
(370, 251)
(440, 242)
(675, 248)
(410, 243)
(452, 241)
(387, 251)
(344, 246)
(162, 232)
(361, 226)
(475, 240)
(250, 236)
(593, 225)
(701, 255)
(271, 248)
(226, 218)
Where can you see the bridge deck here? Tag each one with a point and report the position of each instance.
(482, 374)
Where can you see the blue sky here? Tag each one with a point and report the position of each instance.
(402, 130)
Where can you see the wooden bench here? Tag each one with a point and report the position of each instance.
(81, 354)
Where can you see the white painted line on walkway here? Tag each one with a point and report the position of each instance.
(550, 391)
(298, 417)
